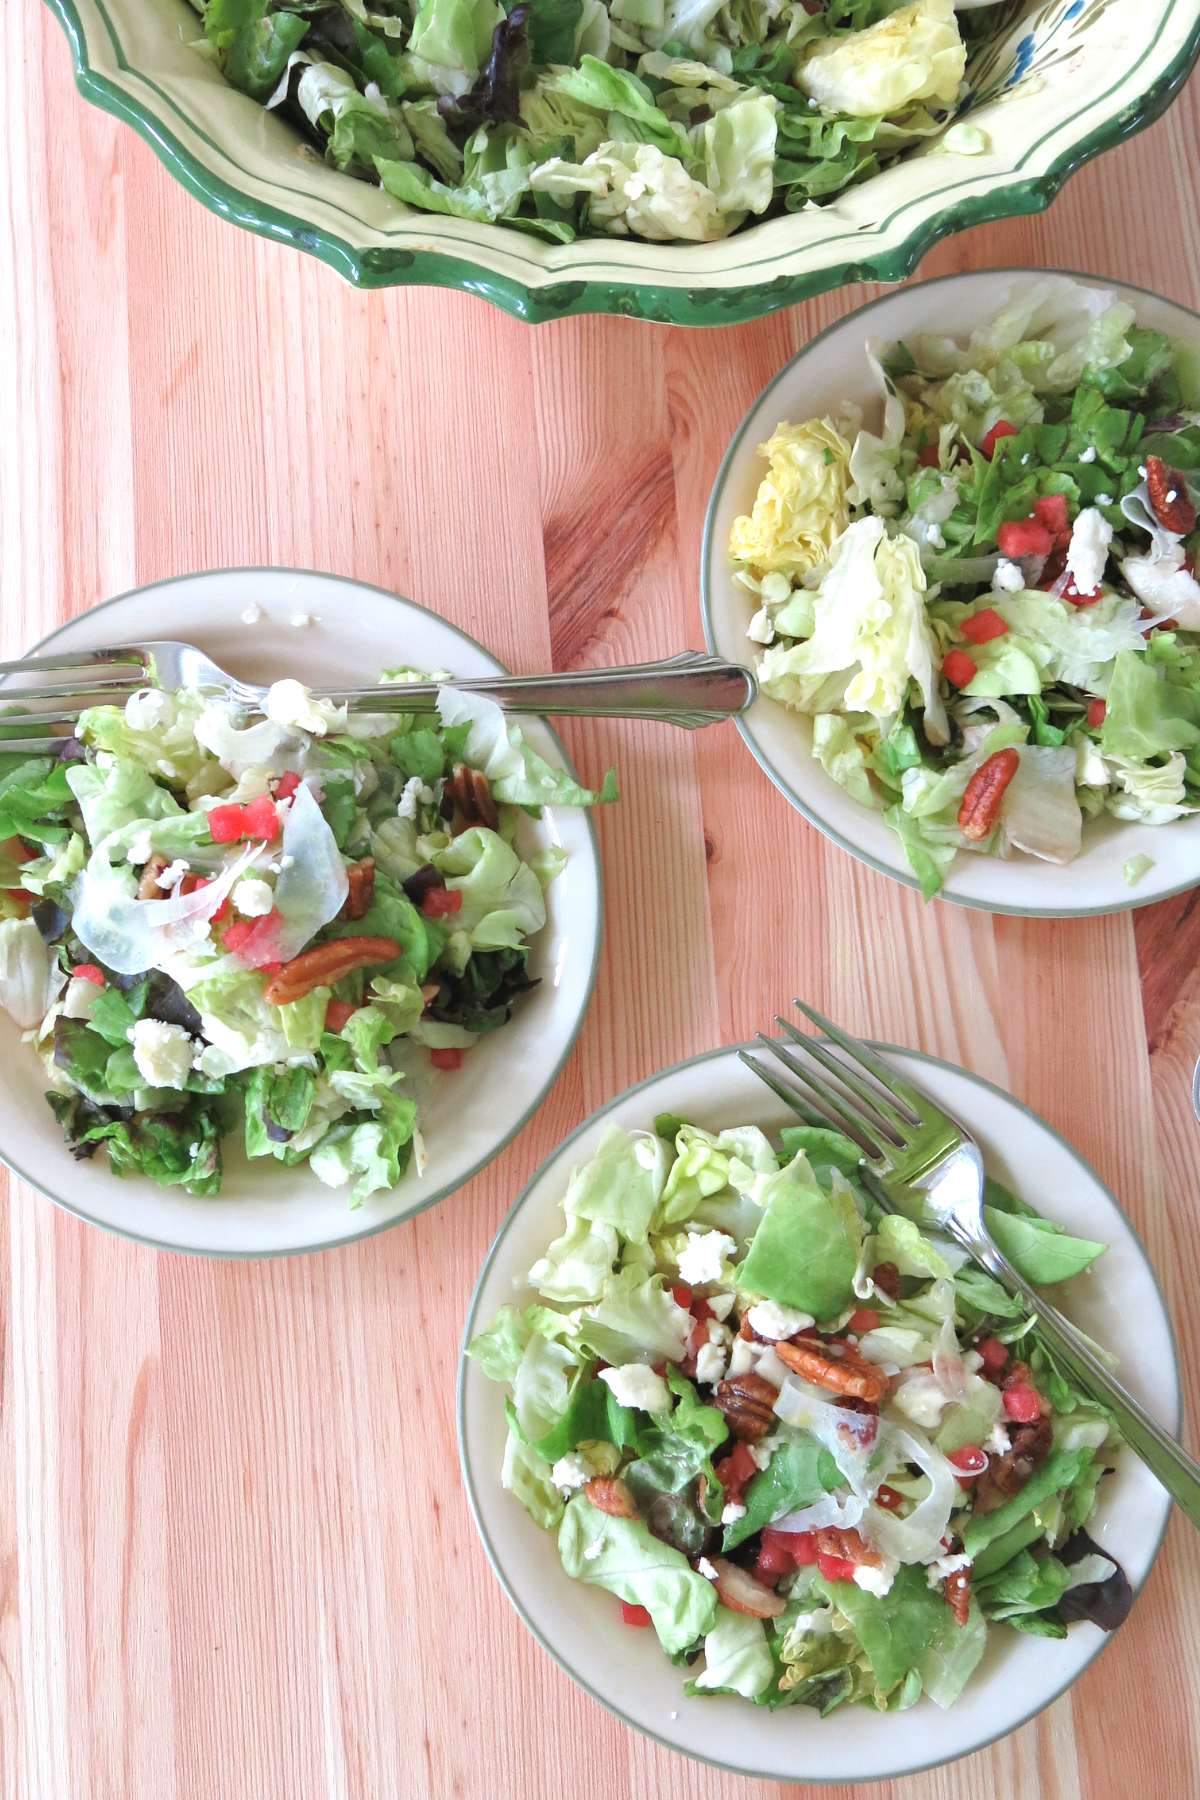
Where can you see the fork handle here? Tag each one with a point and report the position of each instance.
(690, 690)
(1166, 1459)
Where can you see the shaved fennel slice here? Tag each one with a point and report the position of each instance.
(311, 889)
(851, 1438)
(917, 1538)
(129, 935)
(827, 1511)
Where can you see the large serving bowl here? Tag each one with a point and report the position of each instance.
(466, 1117)
(832, 368)
(1118, 1303)
(1056, 82)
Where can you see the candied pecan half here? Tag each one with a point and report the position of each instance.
(608, 1494)
(147, 887)
(886, 1277)
(1006, 1475)
(748, 1402)
(957, 1589)
(360, 876)
(469, 793)
(844, 1541)
(740, 1592)
(844, 1373)
(326, 963)
(986, 789)
(1169, 497)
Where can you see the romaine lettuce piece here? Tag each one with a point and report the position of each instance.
(737, 1657)
(805, 1251)
(629, 1561)
(913, 54)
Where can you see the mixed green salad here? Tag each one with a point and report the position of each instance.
(988, 608)
(655, 119)
(212, 923)
(811, 1447)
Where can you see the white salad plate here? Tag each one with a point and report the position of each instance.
(830, 369)
(1118, 1303)
(325, 631)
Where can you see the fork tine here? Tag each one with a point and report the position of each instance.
(70, 690)
(76, 659)
(39, 746)
(896, 1086)
(837, 1110)
(789, 1096)
(870, 1096)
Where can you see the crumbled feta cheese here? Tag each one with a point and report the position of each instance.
(775, 1322)
(761, 1454)
(741, 1357)
(876, 1581)
(571, 1471)
(415, 794)
(1087, 553)
(942, 1566)
(149, 710)
(173, 874)
(1088, 455)
(1007, 578)
(592, 1550)
(163, 1053)
(997, 1440)
(636, 1384)
(141, 849)
(1025, 459)
(252, 614)
(705, 1568)
(760, 629)
(253, 898)
(301, 620)
(290, 704)
(921, 1398)
(703, 1256)
(721, 1305)
(710, 1363)
(79, 998)
(732, 1513)
(935, 536)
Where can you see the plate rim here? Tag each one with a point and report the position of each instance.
(444, 1193)
(465, 1368)
(1148, 897)
(631, 295)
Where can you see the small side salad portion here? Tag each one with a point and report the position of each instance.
(808, 1445)
(211, 923)
(988, 607)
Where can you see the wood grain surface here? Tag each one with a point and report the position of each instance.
(235, 1559)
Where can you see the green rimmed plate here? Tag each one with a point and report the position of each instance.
(467, 1117)
(1057, 82)
(830, 369)
(1119, 1304)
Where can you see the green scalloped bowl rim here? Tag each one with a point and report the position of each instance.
(631, 296)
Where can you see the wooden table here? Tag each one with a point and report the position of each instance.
(235, 1558)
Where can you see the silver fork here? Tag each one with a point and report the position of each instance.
(689, 690)
(926, 1165)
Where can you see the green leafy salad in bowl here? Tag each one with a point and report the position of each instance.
(809, 1446)
(664, 120)
(988, 607)
(217, 924)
